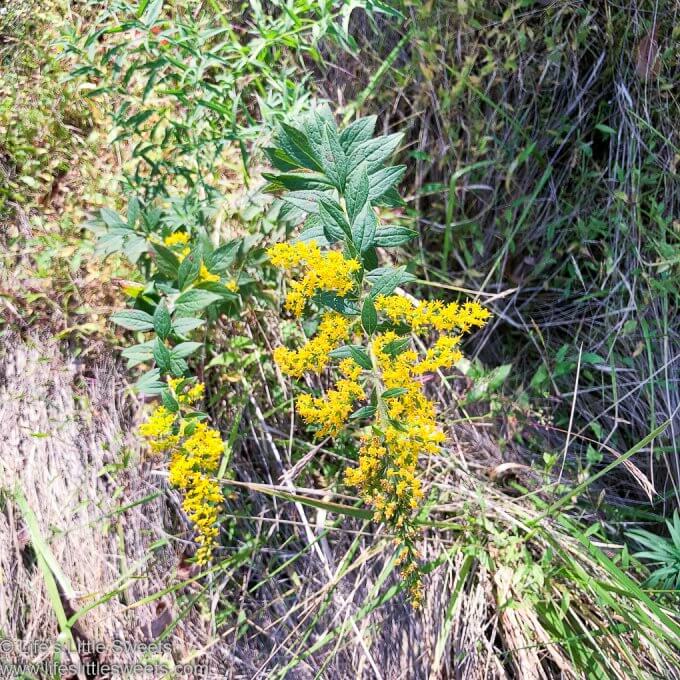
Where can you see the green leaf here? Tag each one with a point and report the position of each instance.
(188, 269)
(333, 158)
(374, 151)
(333, 219)
(182, 326)
(369, 258)
(296, 146)
(336, 303)
(344, 352)
(396, 347)
(363, 412)
(281, 160)
(150, 383)
(169, 401)
(383, 180)
(313, 230)
(138, 354)
(112, 219)
(219, 259)
(194, 300)
(394, 235)
(369, 316)
(166, 261)
(133, 319)
(161, 355)
(307, 201)
(295, 181)
(161, 321)
(178, 366)
(364, 229)
(185, 349)
(360, 357)
(356, 195)
(359, 131)
(393, 392)
(386, 279)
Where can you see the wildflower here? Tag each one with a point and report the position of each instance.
(204, 275)
(176, 238)
(331, 413)
(233, 286)
(195, 451)
(314, 355)
(329, 271)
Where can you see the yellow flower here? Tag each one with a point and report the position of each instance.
(321, 272)
(159, 424)
(193, 458)
(177, 238)
(206, 276)
(314, 355)
(233, 286)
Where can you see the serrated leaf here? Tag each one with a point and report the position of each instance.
(280, 159)
(390, 199)
(161, 321)
(364, 229)
(360, 357)
(363, 412)
(356, 195)
(386, 279)
(334, 160)
(393, 235)
(374, 151)
(333, 220)
(133, 319)
(369, 316)
(307, 201)
(178, 366)
(383, 180)
(112, 219)
(295, 181)
(296, 146)
(361, 130)
(194, 300)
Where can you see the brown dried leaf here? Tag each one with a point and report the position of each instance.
(647, 63)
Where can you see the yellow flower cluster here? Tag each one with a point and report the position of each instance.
(314, 355)
(178, 238)
(330, 414)
(195, 453)
(404, 427)
(386, 474)
(327, 271)
(432, 314)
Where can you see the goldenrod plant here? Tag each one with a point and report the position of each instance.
(379, 341)
(195, 450)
